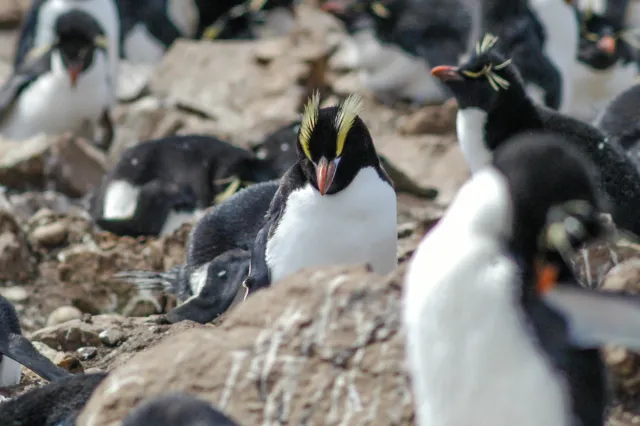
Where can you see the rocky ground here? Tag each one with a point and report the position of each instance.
(323, 347)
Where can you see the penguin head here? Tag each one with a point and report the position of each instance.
(78, 36)
(333, 144)
(484, 80)
(602, 41)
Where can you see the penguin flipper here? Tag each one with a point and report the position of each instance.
(21, 350)
(596, 318)
(27, 34)
(259, 270)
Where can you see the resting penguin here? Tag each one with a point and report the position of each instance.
(493, 105)
(157, 185)
(279, 148)
(176, 409)
(498, 330)
(218, 254)
(335, 206)
(38, 30)
(64, 87)
(16, 351)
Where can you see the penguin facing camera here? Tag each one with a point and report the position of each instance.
(521, 336)
(279, 148)
(39, 31)
(493, 105)
(176, 409)
(16, 351)
(55, 404)
(158, 185)
(394, 43)
(335, 206)
(619, 121)
(217, 261)
(65, 87)
(607, 63)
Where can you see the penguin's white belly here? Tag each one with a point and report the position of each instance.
(357, 225)
(594, 89)
(51, 106)
(470, 124)
(10, 371)
(140, 46)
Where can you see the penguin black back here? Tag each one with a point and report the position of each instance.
(619, 121)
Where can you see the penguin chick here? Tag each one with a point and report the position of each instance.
(493, 335)
(493, 105)
(65, 87)
(279, 148)
(218, 255)
(619, 121)
(55, 404)
(176, 409)
(157, 185)
(39, 31)
(395, 42)
(16, 351)
(336, 205)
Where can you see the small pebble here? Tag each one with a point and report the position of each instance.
(111, 337)
(50, 234)
(87, 352)
(63, 314)
(14, 294)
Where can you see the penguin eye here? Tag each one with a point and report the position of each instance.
(222, 273)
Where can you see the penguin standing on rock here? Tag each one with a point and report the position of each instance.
(335, 206)
(493, 105)
(498, 330)
(158, 185)
(218, 255)
(16, 351)
(64, 87)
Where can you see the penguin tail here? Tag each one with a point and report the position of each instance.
(149, 280)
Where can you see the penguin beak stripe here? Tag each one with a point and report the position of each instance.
(607, 44)
(546, 277)
(325, 172)
(446, 73)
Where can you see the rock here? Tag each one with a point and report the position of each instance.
(14, 294)
(63, 314)
(11, 13)
(112, 337)
(87, 352)
(433, 119)
(322, 347)
(49, 235)
(52, 354)
(68, 336)
(22, 164)
(624, 277)
(132, 80)
(16, 263)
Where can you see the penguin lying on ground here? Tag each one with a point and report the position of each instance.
(38, 30)
(493, 105)
(63, 88)
(55, 404)
(278, 149)
(177, 409)
(619, 121)
(218, 254)
(395, 42)
(16, 351)
(335, 206)
(157, 185)
(498, 330)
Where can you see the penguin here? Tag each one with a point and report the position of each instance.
(55, 404)
(38, 30)
(176, 409)
(493, 105)
(618, 121)
(607, 63)
(498, 330)
(63, 88)
(158, 185)
(335, 206)
(278, 149)
(394, 43)
(217, 260)
(16, 351)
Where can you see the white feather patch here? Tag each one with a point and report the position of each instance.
(10, 372)
(120, 200)
(470, 124)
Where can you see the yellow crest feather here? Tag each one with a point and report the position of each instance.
(101, 42)
(347, 113)
(488, 41)
(309, 121)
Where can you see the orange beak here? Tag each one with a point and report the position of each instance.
(74, 71)
(332, 7)
(607, 44)
(446, 73)
(325, 172)
(546, 277)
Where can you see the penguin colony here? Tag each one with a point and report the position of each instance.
(499, 330)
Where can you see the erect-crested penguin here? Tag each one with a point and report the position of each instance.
(493, 105)
(64, 87)
(157, 185)
(16, 351)
(336, 205)
(498, 330)
(218, 254)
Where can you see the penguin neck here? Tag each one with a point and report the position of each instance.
(512, 115)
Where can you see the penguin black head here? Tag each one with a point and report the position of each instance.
(78, 36)
(602, 41)
(333, 144)
(484, 79)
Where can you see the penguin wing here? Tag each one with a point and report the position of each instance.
(21, 79)
(18, 348)
(27, 34)
(258, 269)
(596, 318)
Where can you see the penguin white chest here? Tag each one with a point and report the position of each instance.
(470, 124)
(10, 371)
(356, 225)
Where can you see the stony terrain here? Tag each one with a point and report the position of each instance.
(324, 347)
